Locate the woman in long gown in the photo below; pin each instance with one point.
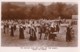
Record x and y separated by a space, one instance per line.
12 31
32 33
68 35
21 30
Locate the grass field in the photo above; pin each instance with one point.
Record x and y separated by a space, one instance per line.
7 40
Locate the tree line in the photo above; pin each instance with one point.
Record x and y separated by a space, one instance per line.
39 11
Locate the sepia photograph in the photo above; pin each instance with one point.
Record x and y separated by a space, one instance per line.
39 24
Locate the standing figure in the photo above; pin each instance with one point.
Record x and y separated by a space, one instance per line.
52 34
43 28
4 28
40 31
68 35
7 27
57 28
47 32
32 34
21 30
12 31
14 27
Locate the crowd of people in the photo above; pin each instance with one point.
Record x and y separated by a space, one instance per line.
36 27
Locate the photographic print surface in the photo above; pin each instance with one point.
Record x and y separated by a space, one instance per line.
48 24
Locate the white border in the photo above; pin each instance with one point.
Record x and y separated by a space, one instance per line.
59 49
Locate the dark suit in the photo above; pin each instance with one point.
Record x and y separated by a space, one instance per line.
12 31
32 34
21 30
4 28
14 27
68 35
57 28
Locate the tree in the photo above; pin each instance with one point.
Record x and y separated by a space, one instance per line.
52 11
11 11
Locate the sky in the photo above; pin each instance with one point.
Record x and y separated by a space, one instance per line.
44 3
47 3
